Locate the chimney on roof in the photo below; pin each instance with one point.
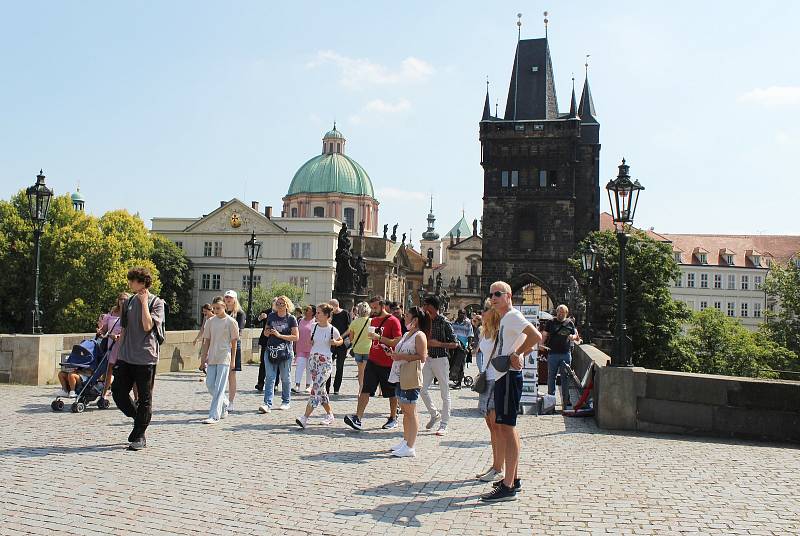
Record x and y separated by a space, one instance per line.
268 212
254 204
223 203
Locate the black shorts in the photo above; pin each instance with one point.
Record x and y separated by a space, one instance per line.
510 384
238 363
375 374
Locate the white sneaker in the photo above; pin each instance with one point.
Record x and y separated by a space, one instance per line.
210 421
72 394
264 409
62 393
442 429
434 418
224 413
284 406
490 476
328 419
398 446
302 421
230 408
405 452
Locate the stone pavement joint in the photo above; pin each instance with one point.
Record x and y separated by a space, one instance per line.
260 474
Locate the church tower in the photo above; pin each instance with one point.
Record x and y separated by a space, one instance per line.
541 177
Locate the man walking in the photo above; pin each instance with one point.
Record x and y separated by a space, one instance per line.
383 328
441 340
142 317
516 338
559 334
340 319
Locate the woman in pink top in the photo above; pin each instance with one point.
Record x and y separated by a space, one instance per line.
303 348
109 326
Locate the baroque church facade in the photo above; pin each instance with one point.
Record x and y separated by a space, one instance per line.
541 180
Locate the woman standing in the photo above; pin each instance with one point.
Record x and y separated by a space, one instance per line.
235 311
487 348
282 331
361 341
303 349
410 352
109 326
323 338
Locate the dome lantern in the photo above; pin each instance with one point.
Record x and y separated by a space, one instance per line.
333 141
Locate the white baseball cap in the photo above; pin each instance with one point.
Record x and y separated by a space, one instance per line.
231 294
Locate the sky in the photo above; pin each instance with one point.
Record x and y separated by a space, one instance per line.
167 108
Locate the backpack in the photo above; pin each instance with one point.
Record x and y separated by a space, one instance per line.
159 331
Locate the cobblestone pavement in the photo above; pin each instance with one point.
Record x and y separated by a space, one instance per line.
259 474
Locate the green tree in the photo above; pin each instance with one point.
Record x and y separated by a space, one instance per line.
783 325
175 271
724 346
263 296
653 318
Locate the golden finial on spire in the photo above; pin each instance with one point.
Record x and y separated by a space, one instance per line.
545 24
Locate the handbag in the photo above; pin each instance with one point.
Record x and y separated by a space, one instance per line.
411 375
480 384
278 353
501 363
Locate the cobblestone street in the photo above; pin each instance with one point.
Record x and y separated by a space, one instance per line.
259 474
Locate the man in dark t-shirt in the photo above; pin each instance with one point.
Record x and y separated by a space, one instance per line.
559 334
340 319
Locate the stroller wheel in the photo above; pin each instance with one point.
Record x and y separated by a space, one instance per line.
79 407
468 381
102 403
74 407
57 405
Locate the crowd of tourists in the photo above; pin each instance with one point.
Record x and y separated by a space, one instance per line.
400 355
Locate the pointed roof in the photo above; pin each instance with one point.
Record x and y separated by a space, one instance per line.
463 226
586 107
573 107
487 114
532 91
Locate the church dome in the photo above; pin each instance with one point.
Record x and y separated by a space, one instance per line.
77 196
332 171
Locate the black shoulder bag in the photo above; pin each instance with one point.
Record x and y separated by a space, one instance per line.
480 384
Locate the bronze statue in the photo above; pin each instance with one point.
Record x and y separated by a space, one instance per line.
403 242
361 228
345 270
360 275
394 232
385 230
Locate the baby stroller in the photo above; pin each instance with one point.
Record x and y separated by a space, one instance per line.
88 354
457 372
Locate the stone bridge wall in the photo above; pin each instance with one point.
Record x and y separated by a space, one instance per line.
34 359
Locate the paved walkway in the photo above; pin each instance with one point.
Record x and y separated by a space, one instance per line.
259 474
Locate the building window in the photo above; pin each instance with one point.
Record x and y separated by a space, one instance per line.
703 305
504 179
756 260
729 260
542 178
294 212
306 250
744 310
757 281
218 249
690 304
717 281
731 281
319 212
703 258
677 255
246 281
718 305
216 282
301 282
338 147
745 282
690 280
731 308
179 244
350 217
703 280
206 249
205 282
757 310
514 179
679 281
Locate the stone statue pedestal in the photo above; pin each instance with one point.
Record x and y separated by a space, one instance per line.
348 299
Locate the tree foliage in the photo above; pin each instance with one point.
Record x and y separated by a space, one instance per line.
263 296
783 325
175 270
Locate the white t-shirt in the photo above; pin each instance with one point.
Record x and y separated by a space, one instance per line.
511 330
321 339
220 332
407 345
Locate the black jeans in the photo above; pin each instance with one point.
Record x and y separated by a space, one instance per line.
262 372
143 376
339 354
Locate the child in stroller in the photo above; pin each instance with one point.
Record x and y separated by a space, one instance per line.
82 373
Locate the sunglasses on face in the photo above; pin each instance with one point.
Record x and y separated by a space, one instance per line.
497 294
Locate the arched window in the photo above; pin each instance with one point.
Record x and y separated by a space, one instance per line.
350 217
294 212
338 147
319 212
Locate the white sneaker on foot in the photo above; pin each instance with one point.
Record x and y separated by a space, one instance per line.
285 406
302 421
490 476
230 407
224 413
405 452
264 409
442 429
210 421
62 393
328 419
434 418
398 446
72 394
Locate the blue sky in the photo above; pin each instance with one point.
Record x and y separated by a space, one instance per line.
166 108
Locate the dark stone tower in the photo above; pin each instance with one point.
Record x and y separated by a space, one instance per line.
541 192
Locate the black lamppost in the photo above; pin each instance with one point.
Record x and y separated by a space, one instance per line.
39 197
588 263
253 248
623 196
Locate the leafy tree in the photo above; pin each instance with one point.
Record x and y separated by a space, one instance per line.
724 346
175 270
653 318
783 325
263 296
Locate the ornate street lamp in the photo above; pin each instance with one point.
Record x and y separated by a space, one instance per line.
39 197
588 263
623 196
253 248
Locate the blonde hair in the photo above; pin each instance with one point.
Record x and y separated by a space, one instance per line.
236 305
506 287
490 322
363 309
287 301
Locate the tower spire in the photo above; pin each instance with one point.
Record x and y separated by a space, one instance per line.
430 233
573 107
516 63
586 107
487 113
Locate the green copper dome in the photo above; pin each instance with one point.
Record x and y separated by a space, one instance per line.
77 196
334 134
463 227
332 172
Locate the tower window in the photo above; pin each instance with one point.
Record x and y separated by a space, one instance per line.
542 178
338 147
350 217
504 179
319 212
294 212
514 179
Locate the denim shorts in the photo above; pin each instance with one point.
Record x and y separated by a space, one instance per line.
360 358
486 399
406 396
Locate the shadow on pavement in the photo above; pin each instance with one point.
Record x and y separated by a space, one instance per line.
407 488
38 452
465 444
406 514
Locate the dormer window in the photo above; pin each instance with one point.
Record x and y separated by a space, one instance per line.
729 260
756 260
703 258
677 255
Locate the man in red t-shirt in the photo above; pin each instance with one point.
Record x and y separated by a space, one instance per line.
383 328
